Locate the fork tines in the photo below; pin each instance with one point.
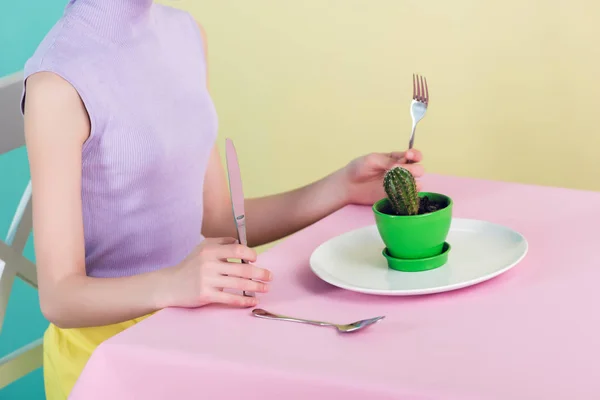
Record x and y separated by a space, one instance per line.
420 92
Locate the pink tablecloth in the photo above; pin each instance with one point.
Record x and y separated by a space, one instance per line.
532 333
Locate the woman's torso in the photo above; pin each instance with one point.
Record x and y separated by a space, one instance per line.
140 71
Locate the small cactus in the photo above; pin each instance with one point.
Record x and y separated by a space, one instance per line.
401 189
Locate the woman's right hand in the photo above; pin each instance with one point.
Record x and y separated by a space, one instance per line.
201 277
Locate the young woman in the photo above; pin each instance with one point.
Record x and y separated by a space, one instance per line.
130 200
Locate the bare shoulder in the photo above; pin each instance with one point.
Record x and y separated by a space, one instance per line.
52 103
44 85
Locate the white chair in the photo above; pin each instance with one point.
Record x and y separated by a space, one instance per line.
12 262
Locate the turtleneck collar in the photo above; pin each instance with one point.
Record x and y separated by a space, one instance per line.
115 20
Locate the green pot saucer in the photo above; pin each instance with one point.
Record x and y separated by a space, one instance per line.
419 264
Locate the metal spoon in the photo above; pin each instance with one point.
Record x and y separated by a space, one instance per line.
345 328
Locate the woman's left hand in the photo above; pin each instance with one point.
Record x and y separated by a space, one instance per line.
363 177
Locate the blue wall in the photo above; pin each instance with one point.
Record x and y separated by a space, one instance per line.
22 25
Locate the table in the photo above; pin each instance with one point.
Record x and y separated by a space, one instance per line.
532 333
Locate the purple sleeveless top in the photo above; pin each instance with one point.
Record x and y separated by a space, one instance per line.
140 70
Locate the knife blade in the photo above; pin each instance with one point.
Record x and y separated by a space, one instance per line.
237 196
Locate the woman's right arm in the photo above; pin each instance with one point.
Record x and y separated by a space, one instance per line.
56 126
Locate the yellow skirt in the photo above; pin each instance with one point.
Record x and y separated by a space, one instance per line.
66 351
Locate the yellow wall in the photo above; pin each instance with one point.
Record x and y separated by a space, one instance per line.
303 86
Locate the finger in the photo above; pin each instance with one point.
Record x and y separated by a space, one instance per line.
219 241
236 251
245 271
397 155
379 161
233 299
233 282
395 158
416 170
413 155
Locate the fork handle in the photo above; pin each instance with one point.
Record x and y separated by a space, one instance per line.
411 141
412 136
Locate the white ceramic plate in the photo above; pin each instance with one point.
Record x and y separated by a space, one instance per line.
480 251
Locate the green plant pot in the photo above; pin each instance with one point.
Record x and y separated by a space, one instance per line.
418 264
414 236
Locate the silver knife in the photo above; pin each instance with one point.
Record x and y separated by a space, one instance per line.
237 196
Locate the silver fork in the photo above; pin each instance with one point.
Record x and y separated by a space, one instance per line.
418 106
